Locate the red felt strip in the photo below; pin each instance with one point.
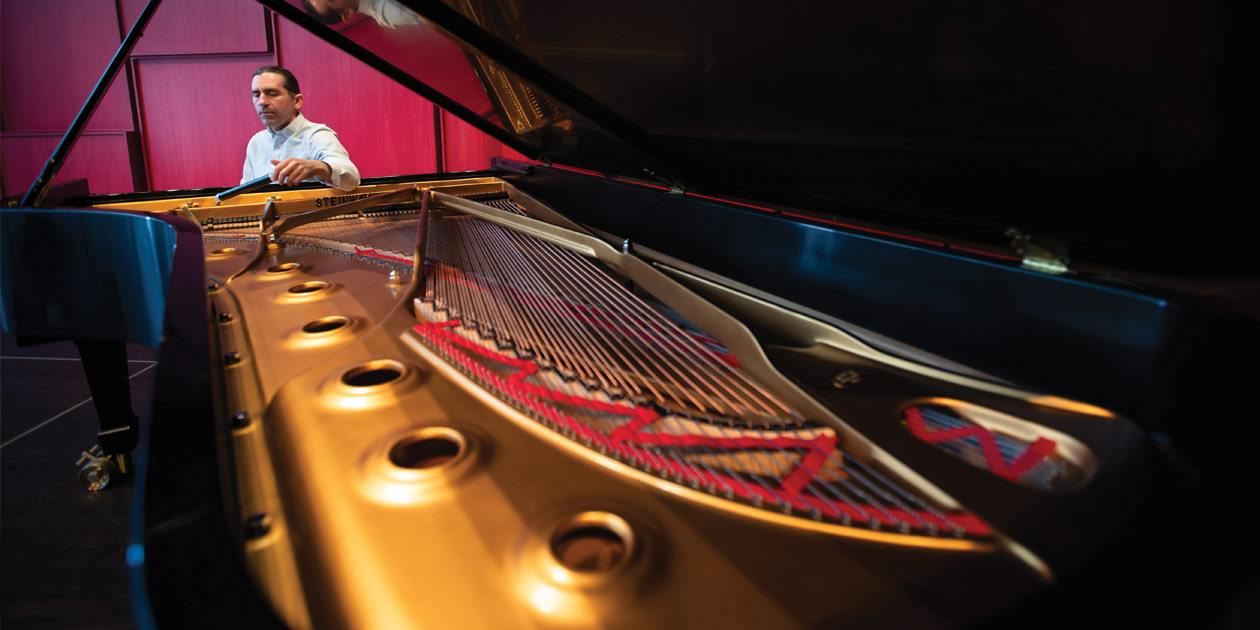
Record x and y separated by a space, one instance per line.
626 440
372 253
1036 452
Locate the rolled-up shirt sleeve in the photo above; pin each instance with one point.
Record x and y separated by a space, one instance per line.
345 176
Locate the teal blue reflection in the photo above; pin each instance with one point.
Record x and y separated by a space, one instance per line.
84 274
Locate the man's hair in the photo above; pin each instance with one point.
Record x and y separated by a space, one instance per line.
330 18
290 81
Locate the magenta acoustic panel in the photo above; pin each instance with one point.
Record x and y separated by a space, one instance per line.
102 158
189 27
387 129
198 116
470 149
54 51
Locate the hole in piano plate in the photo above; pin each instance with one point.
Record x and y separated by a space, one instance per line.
592 542
325 324
372 374
429 449
226 251
308 287
283 267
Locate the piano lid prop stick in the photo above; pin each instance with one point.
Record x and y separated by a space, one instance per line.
421 241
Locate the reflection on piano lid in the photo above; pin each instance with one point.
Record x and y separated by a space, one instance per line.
932 119
649 384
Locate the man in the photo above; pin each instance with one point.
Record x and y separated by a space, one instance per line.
292 149
387 13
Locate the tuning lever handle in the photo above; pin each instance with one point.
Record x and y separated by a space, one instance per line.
249 186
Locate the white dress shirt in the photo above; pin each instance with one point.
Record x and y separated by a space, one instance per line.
388 13
304 140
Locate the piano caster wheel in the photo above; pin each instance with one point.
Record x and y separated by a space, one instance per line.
96 469
94 476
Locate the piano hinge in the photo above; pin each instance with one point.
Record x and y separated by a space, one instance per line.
1047 256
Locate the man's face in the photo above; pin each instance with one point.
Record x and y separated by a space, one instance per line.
275 106
344 9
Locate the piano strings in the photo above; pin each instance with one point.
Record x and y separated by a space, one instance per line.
561 338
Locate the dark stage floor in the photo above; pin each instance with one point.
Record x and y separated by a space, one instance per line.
61 547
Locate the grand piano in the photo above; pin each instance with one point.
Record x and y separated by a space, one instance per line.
796 316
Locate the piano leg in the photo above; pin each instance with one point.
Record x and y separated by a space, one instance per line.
105 365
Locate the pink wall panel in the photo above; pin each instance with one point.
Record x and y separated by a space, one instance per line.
198 117
193 26
99 157
464 147
54 51
191 86
469 149
387 129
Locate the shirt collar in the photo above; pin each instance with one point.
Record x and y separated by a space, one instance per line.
292 128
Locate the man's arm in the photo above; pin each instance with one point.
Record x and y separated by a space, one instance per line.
342 173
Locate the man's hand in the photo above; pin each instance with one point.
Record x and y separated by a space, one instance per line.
292 171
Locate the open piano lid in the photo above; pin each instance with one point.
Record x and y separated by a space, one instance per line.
1117 131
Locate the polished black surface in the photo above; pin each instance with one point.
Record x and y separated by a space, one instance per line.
84 274
1122 130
